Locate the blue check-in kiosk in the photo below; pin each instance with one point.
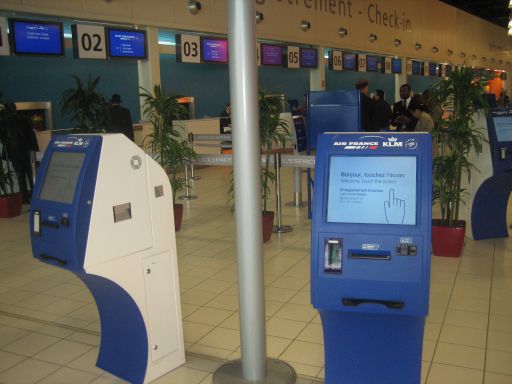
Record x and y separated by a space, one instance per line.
370 254
489 188
102 209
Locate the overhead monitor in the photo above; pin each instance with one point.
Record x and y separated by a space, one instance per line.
35 37
372 190
432 69
127 43
349 61
503 128
308 57
396 65
214 50
271 54
60 180
372 63
416 67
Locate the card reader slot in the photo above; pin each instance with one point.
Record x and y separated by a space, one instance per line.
369 254
53 259
50 224
354 302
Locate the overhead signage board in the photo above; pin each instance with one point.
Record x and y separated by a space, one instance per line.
89 41
188 49
387 65
4 38
336 60
408 67
293 57
361 63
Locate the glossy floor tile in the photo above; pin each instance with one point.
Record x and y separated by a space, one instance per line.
49 326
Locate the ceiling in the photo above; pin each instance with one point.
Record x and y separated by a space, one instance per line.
496 11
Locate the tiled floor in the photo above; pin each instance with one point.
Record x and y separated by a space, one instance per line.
49 329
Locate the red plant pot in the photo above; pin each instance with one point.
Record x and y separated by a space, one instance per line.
10 205
268 223
448 241
178 215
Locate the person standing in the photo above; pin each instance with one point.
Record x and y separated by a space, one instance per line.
433 108
383 112
119 118
367 107
402 117
225 119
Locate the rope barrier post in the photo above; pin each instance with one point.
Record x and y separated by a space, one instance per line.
279 228
191 141
187 195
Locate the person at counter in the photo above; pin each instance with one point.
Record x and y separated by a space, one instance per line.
382 109
119 118
367 107
402 118
225 119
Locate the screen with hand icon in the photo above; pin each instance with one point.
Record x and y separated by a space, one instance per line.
372 190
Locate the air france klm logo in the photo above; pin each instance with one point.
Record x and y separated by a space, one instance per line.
357 144
393 143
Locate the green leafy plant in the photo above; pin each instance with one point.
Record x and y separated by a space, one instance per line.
456 136
7 124
85 106
166 142
273 130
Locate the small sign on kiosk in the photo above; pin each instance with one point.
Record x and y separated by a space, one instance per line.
102 209
370 254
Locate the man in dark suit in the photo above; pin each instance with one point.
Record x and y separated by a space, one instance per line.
120 120
382 110
367 107
402 118
225 119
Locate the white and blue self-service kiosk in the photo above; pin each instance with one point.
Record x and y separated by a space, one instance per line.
370 254
490 186
102 209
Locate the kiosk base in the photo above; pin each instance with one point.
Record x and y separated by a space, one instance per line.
368 348
278 372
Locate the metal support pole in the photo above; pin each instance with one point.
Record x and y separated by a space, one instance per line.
297 189
243 84
192 175
279 228
187 195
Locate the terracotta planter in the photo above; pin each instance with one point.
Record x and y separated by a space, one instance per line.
178 215
268 222
10 205
448 241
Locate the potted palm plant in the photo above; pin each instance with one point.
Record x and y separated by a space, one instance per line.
85 106
166 142
456 136
10 202
273 130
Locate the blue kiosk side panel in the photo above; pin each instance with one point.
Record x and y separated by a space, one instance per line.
489 209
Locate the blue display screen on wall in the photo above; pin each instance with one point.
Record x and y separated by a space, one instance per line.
372 190
432 69
214 50
372 63
127 43
271 54
308 57
396 65
31 37
416 67
349 61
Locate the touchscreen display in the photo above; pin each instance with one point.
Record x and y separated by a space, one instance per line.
61 177
372 190
503 128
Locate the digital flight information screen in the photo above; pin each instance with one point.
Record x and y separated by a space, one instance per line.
61 178
372 190
503 128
